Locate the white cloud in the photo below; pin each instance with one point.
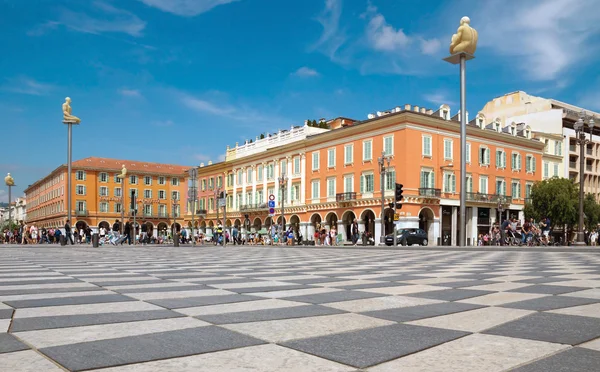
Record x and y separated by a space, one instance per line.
163 123
26 85
544 38
3 196
201 105
130 92
385 37
41 29
186 8
439 98
305 72
107 18
332 37
431 46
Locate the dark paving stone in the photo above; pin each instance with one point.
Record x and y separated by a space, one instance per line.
116 283
178 303
407 314
548 289
573 360
226 281
550 303
41 281
9 343
401 278
450 294
368 347
64 321
143 348
314 280
163 289
476 276
543 280
101 275
79 300
268 288
321 298
557 328
270 314
6 313
48 290
187 276
372 285
463 284
543 273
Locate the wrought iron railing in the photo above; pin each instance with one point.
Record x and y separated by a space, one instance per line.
246 207
434 193
345 197
485 198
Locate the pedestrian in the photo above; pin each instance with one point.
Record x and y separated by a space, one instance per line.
127 233
354 231
69 233
144 236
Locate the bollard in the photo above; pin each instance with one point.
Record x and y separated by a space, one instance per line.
468 241
439 241
176 240
62 240
95 240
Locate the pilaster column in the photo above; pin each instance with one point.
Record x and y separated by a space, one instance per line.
254 178
264 186
289 160
235 196
377 230
454 226
474 230
341 229
302 178
244 183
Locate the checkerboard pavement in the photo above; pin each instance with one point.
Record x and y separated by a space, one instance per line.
297 309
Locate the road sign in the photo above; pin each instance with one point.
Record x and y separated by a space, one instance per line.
396 216
221 202
271 210
271 197
271 203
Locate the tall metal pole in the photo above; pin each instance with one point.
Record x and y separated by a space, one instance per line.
382 181
462 241
225 219
122 226
282 187
69 164
582 145
9 208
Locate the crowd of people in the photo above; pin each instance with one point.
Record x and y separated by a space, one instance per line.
514 232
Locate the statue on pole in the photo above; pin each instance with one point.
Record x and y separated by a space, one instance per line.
9 180
67 116
465 38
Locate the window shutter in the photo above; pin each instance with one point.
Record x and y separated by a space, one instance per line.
422 181
498 159
453 183
480 156
487 156
533 163
362 183
519 161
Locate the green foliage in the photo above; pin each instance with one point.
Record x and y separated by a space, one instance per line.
591 209
5 226
262 136
314 124
555 198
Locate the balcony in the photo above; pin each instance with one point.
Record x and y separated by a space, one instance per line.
162 215
257 206
82 213
573 164
345 197
588 167
429 192
573 148
484 198
201 212
589 151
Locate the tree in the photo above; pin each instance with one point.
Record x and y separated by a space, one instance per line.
555 198
262 136
314 124
591 209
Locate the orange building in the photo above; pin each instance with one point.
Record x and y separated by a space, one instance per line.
333 177
98 196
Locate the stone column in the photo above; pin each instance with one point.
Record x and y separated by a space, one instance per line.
290 175
235 195
377 236
265 194
492 216
244 176
474 231
304 230
254 178
341 229
302 178
310 231
454 225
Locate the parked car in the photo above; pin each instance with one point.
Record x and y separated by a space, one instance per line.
408 237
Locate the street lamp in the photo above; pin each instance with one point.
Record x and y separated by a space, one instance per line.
192 198
282 182
217 191
382 160
122 178
174 229
582 141
10 182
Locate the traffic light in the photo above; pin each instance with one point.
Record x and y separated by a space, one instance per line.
222 194
398 195
133 203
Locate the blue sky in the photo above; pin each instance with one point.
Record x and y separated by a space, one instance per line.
175 81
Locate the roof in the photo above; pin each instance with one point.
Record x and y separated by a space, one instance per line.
131 165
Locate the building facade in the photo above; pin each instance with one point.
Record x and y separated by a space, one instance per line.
330 179
99 197
552 122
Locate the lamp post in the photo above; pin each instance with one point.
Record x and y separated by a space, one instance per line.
282 183
192 198
382 160
217 191
174 229
122 177
582 141
10 182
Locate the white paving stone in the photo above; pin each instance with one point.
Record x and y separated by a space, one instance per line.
178 294
500 298
592 310
4 325
55 295
474 320
474 353
380 303
290 329
294 292
112 307
47 286
586 293
404 289
594 344
26 361
499 287
64 336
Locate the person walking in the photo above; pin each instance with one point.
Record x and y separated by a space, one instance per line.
144 236
69 233
354 232
127 233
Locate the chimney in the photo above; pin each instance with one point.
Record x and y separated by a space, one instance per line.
305 122
407 107
227 147
201 165
416 109
423 110
429 112
371 116
237 144
210 162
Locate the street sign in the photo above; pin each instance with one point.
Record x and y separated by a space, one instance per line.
396 217
271 203
271 197
271 210
221 202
